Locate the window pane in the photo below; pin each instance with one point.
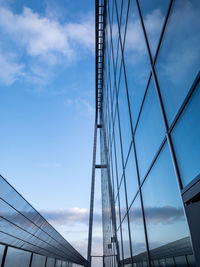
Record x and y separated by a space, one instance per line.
1 252
154 13
181 261
186 139
50 262
126 241
150 131
118 149
179 57
131 177
38 260
17 258
136 60
122 199
163 209
137 231
124 117
169 262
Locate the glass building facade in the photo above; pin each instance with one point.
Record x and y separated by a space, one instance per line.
148 106
27 239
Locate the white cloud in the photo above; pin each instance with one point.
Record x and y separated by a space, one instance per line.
70 216
11 70
44 40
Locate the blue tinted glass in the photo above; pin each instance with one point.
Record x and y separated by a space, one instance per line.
131 177
50 262
136 60
186 139
125 237
119 242
1 252
118 148
122 199
150 131
38 260
124 117
166 225
17 258
179 57
137 230
154 13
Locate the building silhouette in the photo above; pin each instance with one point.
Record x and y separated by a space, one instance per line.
148 121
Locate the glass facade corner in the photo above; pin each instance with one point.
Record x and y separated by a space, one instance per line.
150 119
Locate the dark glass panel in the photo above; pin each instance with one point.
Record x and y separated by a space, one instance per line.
17 258
124 117
165 220
191 260
154 13
170 262
181 261
137 231
131 177
136 61
150 131
178 61
125 237
186 139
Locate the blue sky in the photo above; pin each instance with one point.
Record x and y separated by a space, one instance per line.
47 108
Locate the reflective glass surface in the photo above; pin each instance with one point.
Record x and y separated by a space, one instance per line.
137 229
179 56
164 215
154 13
17 258
181 261
124 117
118 148
1 252
150 131
131 177
38 260
125 237
186 139
122 199
50 262
136 61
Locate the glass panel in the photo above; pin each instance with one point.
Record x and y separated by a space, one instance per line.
181 261
150 131
131 177
186 139
118 149
1 252
38 260
169 262
179 57
50 262
125 237
136 60
165 220
119 242
137 231
154 13
17 258
191 260
162 263
122 199
124 117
